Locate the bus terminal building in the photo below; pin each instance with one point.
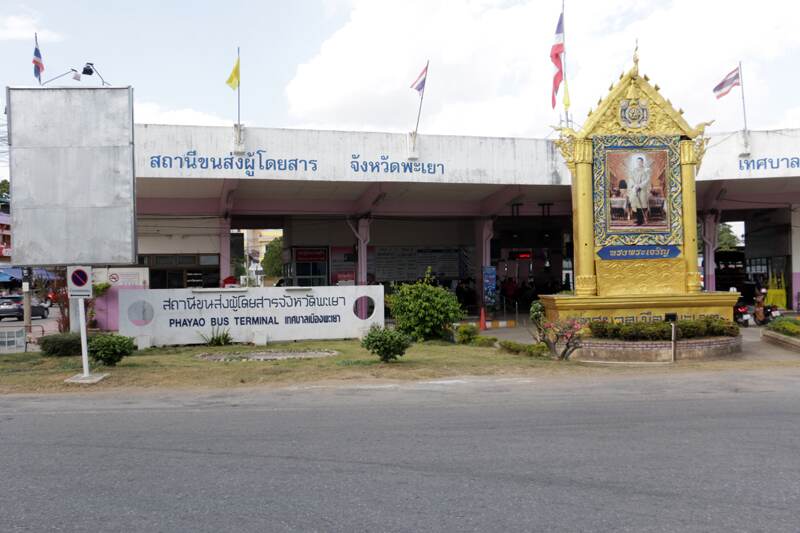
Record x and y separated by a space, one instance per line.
358 207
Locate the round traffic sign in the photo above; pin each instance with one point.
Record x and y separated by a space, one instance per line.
79 277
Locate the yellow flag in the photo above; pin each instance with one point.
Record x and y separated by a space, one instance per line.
566 93
233 79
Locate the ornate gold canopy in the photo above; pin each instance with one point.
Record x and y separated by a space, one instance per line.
633 107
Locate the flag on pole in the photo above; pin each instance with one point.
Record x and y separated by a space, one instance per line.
731 80
233 79
419 83
38 64
556 52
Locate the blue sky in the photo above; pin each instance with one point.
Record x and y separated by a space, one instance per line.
178 54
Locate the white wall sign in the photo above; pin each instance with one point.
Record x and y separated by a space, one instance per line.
79 281
164 151
123 276
184 316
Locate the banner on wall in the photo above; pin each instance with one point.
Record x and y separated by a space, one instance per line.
185 316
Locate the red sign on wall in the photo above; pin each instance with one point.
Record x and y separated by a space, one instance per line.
302 255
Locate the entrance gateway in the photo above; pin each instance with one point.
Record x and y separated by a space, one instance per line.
635 227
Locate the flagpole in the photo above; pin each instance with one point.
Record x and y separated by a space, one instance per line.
239 98
744 109
564 63
421 97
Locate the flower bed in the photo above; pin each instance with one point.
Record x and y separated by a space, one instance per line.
651 342
593 349
784 331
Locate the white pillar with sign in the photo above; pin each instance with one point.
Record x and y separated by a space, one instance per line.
79 287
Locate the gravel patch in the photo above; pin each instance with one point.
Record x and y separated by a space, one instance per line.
275 355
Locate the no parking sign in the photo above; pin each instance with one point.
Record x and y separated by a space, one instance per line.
79 282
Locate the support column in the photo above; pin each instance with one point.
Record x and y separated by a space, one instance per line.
583 217
710 236
224 249
688 165
363 237
795 235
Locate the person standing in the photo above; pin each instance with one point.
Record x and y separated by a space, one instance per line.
639 190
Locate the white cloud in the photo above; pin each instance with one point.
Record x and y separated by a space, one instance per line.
22 27
491 74
152 113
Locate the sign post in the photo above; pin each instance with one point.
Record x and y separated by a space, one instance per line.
79 287
489 296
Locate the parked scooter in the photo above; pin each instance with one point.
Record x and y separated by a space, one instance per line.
770 313
741 314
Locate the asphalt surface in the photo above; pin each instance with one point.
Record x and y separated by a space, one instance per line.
700 451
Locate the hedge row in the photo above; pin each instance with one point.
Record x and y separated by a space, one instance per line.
105 348
662 331
785 326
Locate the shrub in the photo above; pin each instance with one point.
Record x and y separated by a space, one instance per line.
422 310
532 350
785 326
60 344
716 327
512 347
109 349
692 329
538 350
466 333
218 337
560 334
662 331
388 344
482 341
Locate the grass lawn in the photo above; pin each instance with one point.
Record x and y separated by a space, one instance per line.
179 367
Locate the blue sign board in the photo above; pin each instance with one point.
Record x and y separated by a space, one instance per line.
654 251
489 286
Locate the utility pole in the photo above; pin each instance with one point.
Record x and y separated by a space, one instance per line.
26 299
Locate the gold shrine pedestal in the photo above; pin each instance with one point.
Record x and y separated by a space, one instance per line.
633 167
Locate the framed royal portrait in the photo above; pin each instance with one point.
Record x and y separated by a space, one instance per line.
637 190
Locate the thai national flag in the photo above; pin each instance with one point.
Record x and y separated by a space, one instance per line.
419 83
555 56
730 81
38 64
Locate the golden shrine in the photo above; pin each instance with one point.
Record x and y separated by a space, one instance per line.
633 166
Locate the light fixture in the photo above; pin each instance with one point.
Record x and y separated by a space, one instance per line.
89 69
70 71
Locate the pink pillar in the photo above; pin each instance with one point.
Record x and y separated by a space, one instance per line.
363 240
224 249
710 232
795 236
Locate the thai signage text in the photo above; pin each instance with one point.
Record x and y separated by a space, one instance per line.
187 316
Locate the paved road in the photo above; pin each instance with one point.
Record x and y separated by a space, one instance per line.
675 452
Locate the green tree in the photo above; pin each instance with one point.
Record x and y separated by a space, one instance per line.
238 267
422 310
726 239
4 187
273 258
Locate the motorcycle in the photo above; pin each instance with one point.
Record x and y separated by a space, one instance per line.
741 314
770 313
